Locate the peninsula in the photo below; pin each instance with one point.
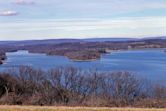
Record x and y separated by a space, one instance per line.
80 50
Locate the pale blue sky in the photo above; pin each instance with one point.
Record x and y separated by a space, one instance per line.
49 19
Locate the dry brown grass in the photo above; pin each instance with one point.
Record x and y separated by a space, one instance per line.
45 108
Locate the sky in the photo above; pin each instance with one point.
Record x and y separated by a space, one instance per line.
54 19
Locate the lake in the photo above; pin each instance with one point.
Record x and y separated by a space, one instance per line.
149 63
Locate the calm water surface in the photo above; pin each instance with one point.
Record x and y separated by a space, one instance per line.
149 63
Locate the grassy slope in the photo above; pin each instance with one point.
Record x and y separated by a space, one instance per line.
37 108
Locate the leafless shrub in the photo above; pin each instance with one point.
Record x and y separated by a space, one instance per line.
72 86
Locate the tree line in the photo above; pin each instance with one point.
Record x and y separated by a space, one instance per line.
75 87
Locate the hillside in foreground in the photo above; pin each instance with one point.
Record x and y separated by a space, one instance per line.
37 108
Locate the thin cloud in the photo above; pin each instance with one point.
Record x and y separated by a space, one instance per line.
122 27
23 2
8 13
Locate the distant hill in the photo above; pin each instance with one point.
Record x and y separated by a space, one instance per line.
161 37
108 39
58 41
33 42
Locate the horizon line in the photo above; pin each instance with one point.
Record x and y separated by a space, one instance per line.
146 37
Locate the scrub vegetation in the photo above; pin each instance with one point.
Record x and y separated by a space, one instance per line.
69 86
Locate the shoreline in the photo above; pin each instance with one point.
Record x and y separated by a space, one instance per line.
89 60
3 58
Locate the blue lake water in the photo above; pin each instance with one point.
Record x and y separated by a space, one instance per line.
149 63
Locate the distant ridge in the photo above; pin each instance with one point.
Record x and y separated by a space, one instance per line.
108 39
47 41
161 37
57 41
